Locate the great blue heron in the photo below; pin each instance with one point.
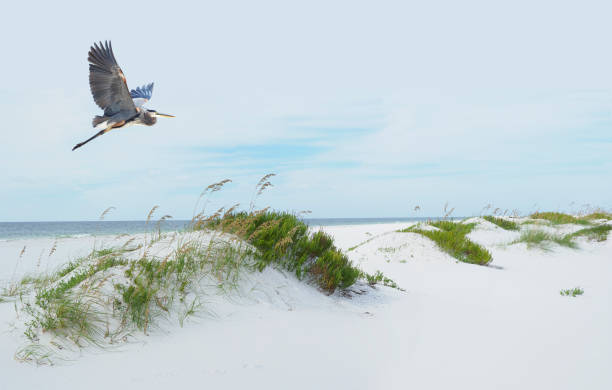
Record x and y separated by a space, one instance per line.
121 106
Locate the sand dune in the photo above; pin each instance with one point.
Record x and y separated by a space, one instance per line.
457 325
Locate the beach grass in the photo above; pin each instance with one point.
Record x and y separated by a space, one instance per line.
596 233
451 237
572 292
541 239
103 298
457 228
597 215
282 239
502 223
379 278
557 218
539 222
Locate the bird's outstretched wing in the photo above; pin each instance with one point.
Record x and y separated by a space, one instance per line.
107 82
141 95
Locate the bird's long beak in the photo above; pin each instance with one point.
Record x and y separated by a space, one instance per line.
165 115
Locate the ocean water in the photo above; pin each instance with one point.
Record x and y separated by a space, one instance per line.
15 230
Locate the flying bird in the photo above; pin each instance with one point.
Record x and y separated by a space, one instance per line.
121 106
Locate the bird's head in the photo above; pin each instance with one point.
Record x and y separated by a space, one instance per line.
150 116
155 114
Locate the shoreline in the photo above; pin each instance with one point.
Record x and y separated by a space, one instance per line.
68 229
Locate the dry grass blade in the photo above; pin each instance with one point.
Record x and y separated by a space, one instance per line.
231 210
262 184
487 207
447 212
151 213
42 251
127 243
257 213
108 210
272 224
53 248
211 188
162 219
215 186
264 179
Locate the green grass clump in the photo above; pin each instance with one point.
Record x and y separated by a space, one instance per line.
451 238
596 233
379 277
557 218
46 294
63 309
454 227
572 292
283 239
542 239
542 222
502 223
103 298
67 268
598 215
333 270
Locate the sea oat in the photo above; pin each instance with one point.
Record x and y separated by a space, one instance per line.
108 210
53 248
260 187
151 213
264 179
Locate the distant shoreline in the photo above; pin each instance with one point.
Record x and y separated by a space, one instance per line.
62 229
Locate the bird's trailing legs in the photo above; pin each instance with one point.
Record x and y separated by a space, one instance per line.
95 135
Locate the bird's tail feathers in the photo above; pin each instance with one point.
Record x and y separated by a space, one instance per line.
99 121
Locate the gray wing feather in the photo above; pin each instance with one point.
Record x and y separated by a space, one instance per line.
107 82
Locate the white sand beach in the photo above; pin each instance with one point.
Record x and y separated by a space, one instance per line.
456 325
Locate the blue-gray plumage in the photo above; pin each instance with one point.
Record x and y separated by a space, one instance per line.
144 92
121 106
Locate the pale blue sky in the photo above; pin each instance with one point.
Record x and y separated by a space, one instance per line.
362 109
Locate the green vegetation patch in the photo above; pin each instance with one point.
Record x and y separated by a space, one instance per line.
596 233
451 238
536 222
502 223
559 218
572 292
542 239
378 277
454 227
598 215
103 298
283 239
